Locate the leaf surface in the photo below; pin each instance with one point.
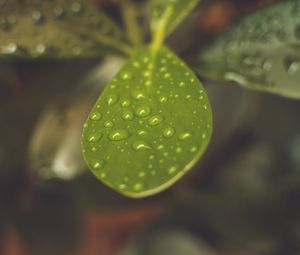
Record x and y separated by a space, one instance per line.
149 126
261 52
168 14
57 28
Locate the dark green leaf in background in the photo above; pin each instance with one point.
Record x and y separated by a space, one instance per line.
57 28
149 126
168 14
261 52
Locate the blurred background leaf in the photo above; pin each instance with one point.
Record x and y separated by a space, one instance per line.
57 29
260 52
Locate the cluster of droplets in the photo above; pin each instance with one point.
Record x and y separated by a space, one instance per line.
45 14
144 128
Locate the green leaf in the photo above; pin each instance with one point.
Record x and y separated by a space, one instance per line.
57 28
150 125
166 15
261 52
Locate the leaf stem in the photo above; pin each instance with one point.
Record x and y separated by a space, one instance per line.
159 35
133 30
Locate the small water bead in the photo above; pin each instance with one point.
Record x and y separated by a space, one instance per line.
203 135
167 75
138 95
143 111
160 147
127 115
94 149
118 135
172 170
142 174
136 64
155 120
194 149
58 12
184 136
95 137
163 69
146 74
85 125
151 157
163 99
138 186
37 17
112 99
103 175
168 132
41 48
188 97
145 60
153 173
76 7
96 116
205 107
148 83
178 150
97 164
11 48
108 124
142 132
140 146
126 103
126 76
122 186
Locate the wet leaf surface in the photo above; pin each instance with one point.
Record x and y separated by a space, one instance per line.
60 29
150 125
261 52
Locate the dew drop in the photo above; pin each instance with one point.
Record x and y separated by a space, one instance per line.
138 186
126 103
108 124
122 186
163 99
172 170
103 175
188 97
184 136
178 150
127 115
143 111
97 164
142 132
11 48
168 132
37 17
140 146
138 95
95 137
118 135
41 48
96 116
142 174
153 172
76 7
155 120
194 149
112 99
160 147
58 12
126 76
167 75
